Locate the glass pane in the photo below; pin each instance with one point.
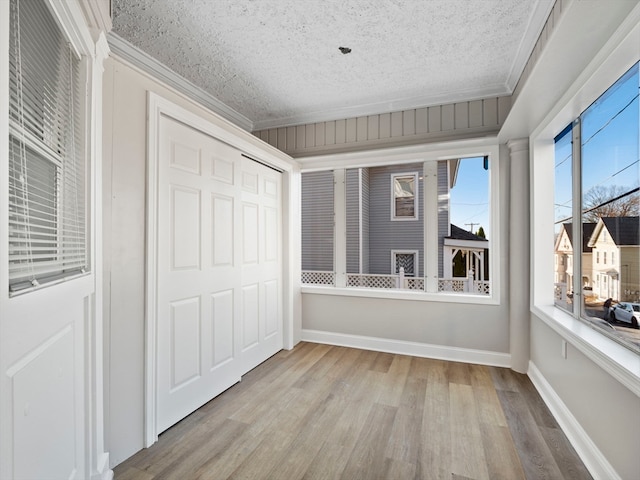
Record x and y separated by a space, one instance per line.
611 203
563 232
404 196
465 250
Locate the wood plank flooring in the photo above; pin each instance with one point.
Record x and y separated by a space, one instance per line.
325 412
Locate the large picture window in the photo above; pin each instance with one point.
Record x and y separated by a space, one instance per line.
47 197
597 207
448 203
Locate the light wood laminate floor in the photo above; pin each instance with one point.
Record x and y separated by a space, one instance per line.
325 412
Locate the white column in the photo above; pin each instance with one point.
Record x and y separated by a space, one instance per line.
99 461
519 254
340 227
430 173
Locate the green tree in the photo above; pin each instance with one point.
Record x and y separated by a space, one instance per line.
480 233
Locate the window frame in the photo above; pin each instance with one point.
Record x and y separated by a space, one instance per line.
614 59
416 195
70 21
425 153
416 261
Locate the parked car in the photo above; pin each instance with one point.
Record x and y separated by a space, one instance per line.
626 312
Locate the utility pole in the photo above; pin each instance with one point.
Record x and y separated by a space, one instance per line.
471 226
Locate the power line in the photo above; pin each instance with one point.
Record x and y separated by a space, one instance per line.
606 202
609 121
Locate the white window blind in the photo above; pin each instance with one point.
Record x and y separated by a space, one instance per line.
47 197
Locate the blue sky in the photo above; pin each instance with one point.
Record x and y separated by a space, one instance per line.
610 144
470 196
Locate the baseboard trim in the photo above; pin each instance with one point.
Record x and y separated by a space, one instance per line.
402 347
591 456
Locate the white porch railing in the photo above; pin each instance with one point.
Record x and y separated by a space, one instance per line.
313 277
402 282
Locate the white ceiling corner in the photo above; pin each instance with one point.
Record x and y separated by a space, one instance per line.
276 62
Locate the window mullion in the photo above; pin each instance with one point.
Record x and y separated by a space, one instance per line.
577 216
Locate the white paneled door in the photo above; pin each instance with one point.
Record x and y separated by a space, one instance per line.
219 268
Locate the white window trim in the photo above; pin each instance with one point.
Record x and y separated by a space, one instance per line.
416 261
416 196
613 60
477 147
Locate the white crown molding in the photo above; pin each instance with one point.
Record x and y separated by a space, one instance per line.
150 65
384 107
401 347
537 20
597 464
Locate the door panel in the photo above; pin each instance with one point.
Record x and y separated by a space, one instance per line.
185 341
218 260
42 342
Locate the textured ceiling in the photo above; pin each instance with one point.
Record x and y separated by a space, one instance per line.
277 62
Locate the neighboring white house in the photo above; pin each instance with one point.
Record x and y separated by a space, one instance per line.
616 258
563 262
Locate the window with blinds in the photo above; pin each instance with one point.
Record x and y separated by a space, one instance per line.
47 197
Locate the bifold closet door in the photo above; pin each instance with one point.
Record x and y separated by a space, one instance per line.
219 267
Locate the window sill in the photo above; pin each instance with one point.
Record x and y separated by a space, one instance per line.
401 295
618 361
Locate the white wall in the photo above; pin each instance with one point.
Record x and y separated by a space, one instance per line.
124 207
445 327
606 413
594 390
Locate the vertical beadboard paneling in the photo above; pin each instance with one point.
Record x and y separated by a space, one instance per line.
351 130
504 105
395 128
447 117
330 133
373 132
310 135
461 115
300 137
408 122
435 118
475 114
541 43
385 125
273 137
291 139
282 138
341 131
317 221
490 112
422 120
361 129
320 134
396 124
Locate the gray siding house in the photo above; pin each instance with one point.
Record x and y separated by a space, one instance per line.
384 224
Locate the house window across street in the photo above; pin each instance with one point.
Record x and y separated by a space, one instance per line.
404 204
